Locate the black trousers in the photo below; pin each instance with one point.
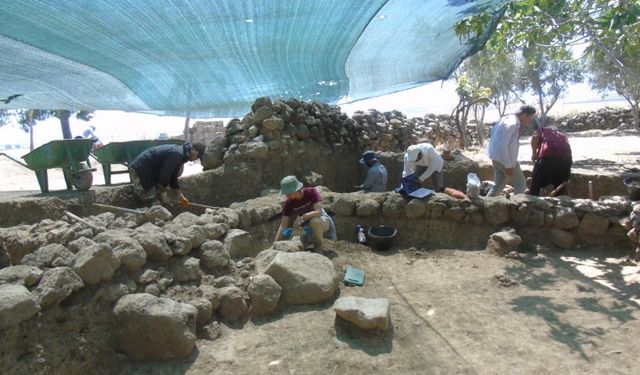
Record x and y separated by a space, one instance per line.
550 170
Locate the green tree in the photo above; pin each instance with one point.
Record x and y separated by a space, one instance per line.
61 114
469 96
554 26
498 72
27 119
547 77
623 43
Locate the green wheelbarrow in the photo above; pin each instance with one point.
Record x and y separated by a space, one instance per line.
72 155
124 153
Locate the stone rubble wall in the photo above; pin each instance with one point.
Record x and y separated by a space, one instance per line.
603 119
200 268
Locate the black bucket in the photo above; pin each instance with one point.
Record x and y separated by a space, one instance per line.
633 187
381 237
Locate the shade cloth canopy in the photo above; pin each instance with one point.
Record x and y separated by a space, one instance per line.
213 58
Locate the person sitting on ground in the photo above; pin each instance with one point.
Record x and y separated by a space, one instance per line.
423 160
304 203
503 150
157 168
376 180
551 155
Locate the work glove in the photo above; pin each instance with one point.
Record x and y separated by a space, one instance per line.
184 202
287 232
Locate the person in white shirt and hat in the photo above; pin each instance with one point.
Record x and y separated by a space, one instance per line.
423 160
503 150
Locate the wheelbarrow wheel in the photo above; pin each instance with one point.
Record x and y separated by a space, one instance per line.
83 180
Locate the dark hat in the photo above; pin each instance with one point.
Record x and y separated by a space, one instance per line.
200 148
368 156
526 109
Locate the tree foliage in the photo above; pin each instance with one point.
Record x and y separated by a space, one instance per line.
548 29
547 77
469 96
497 72
62 114
623 44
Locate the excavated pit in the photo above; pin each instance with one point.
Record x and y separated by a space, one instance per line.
74 279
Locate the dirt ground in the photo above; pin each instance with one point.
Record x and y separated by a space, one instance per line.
566 313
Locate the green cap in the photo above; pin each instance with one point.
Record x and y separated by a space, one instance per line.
290 184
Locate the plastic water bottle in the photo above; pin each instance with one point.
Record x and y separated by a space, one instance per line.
360 232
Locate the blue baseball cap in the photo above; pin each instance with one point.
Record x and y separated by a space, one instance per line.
368 156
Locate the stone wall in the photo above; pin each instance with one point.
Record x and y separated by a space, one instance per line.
445 222
602 119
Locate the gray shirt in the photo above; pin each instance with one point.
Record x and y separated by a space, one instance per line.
376 180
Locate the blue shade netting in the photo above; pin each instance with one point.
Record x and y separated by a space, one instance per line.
214 58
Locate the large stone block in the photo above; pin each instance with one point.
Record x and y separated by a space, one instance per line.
238 243
56 285
95 264
304 277
367 207
365 313
415 208
562 238
496 210
565 218
343 206
149 328
52 255
16 305
131 254
213 255
264 293
20 274
593 224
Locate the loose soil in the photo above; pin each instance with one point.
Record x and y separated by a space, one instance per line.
571 312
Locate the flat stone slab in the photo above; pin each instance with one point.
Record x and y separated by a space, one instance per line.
365 313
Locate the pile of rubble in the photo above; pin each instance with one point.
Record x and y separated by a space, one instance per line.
285 126
171 278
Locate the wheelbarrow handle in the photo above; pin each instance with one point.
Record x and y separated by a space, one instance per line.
203 206
16 160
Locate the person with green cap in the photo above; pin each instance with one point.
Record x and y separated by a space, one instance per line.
305 203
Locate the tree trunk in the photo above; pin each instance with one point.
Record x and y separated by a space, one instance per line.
636 116
30 120
187 136
64 123
480 128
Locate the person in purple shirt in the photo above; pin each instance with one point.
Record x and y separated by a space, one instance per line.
551 155
306 204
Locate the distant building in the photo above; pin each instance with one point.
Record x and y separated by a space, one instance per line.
207 131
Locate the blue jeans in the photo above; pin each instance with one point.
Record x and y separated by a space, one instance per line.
518 181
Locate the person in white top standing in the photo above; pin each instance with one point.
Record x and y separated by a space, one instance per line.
503 150
423 160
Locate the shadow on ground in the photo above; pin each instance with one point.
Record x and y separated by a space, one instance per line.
589 271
